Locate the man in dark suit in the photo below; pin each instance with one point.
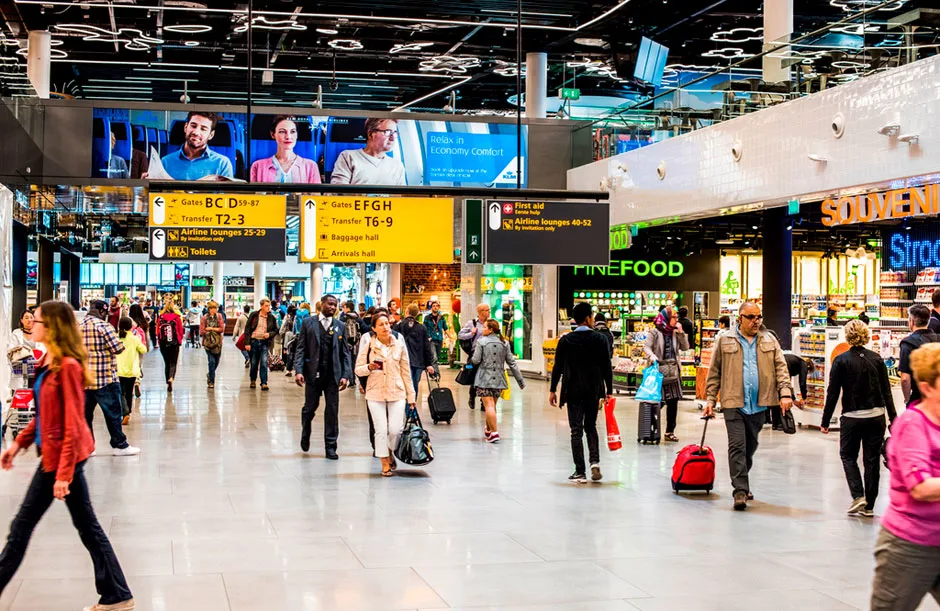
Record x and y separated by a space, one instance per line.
582 358
322 357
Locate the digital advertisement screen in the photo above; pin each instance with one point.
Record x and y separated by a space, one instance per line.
165 145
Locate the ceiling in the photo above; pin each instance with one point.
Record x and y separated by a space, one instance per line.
387 54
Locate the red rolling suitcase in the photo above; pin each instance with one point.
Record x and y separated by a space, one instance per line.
694 468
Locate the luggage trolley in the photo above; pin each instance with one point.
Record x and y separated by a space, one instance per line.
21 408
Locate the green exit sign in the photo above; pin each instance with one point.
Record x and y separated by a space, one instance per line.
200 282
569 93
793 207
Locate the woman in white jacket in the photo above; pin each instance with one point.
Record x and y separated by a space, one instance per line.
384 359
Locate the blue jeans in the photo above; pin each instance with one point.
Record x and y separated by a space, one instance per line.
259 360
246 354
416 377
213 364
109 398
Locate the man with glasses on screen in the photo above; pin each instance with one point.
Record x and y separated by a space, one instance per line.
371 165
195 160
749 372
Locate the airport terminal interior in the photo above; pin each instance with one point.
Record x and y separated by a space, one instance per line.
477 305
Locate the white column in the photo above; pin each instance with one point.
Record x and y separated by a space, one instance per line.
316 281
261 279
536 79
778 26
218 284
6 293
394 283
39 61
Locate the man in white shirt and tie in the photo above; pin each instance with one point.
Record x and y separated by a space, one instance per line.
322 362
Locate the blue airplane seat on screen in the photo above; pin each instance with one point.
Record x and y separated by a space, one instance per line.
342 133
164 141
176 135
140 137
100 147
152 140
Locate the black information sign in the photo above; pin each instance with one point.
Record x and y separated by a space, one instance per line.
547 233
217 244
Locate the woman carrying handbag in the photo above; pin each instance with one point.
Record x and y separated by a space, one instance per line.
662 347
383 359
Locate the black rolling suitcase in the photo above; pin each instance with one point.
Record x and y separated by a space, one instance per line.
648 424
441 402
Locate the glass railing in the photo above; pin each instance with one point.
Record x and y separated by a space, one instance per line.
874 36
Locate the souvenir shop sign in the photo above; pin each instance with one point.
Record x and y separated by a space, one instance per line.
894 204
217 227
376 229
547 233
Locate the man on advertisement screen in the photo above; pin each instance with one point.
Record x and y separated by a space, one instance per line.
195 160
371 165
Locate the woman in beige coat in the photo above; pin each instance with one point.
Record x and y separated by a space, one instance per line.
384 359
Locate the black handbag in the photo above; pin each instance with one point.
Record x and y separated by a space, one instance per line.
789 423
467 375
414 445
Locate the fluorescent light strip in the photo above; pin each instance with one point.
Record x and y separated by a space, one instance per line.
218 91
439 91
147 79
166 70
374 86
333 16
325 93
111 80
490 10
108 97
104 88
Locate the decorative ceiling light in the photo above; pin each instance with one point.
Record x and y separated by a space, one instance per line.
738 35
451 64
593 67
690 68
191 43
504 68
260 23
849 65
328 31
426 27
591 42
408 47
345 44
193 28
132 38
856 29
859 5
728 53
53 53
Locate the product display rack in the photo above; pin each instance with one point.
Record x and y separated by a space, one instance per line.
821 345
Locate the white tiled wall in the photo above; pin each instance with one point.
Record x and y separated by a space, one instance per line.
702 178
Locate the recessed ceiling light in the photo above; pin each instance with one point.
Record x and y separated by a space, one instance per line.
345 44
328 31
191 43
194 28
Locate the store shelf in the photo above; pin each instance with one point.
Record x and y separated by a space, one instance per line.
937 284
897 301
894 284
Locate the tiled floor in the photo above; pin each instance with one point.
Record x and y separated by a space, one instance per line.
222 512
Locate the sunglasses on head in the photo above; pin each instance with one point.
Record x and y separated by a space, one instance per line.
752 316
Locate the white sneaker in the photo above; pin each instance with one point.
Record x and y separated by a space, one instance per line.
128 451
93 454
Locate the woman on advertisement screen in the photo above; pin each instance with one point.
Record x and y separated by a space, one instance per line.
285 165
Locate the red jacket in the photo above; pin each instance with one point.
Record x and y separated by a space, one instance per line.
66 439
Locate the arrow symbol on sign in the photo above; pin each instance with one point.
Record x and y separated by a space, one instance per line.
159 210
158 243
472 255
310 204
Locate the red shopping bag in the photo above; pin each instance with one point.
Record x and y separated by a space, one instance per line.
614 441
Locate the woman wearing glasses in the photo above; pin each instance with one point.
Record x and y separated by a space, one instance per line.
371 165
60 431
662 346
285 165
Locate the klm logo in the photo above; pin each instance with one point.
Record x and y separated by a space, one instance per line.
508 175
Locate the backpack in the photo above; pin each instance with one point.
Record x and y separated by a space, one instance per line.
167 333
467 344
353 332
212 340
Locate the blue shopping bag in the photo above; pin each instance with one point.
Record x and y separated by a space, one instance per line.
651 388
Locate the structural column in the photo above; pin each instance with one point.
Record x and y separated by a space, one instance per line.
778 26
39 61
394 283
218 284
261 281
316 281
778 273
46 284
536 79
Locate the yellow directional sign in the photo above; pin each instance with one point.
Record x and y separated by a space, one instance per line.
217 210
376 229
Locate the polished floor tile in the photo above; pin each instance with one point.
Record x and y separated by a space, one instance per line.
223 512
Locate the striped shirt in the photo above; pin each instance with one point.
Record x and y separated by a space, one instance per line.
103 346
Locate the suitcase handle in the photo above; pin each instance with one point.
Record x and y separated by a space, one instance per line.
701 447
436 379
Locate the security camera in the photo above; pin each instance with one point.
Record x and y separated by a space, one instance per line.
737 150
838 125
661 170
334 85
185 99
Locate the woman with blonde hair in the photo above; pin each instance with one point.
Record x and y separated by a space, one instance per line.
211 329
170 337
383 357
60 431
861 377
907 553
489 357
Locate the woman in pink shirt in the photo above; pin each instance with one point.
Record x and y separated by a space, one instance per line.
286 165
907 555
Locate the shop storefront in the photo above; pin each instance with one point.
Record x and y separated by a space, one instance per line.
129 281
632 290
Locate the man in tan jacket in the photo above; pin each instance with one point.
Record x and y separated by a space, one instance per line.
749 371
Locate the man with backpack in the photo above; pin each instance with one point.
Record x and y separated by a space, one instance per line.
919 324
354 325
469 335
420 354
436 324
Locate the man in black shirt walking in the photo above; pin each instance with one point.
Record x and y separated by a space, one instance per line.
918 321
582 358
